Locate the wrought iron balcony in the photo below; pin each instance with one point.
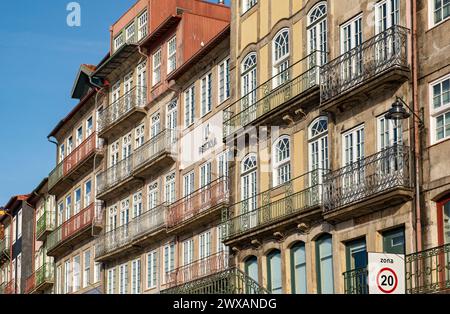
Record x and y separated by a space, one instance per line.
74 230
201 268
229 281
4 249
41 280
283 88
296 198
203 202
123 239
75 165
122 113
157 153
374 57
376 178
355 281
428 271
114 177
45 224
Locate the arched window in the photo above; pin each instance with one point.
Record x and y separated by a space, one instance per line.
298 268
324 255
274 272
249 80
282 160
281 57
249 183
318 149
251 267
317 30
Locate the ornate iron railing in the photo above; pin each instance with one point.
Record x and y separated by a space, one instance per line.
380 53
73 225
378 173
355 281
155 147
114 175
44 274
198 203
135 98
45 223
428 271
230 281
198 269
284 86
292 198
139 227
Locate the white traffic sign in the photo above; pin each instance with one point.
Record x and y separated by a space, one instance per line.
386 273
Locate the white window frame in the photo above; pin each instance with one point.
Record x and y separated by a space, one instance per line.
89 126
281 165
223 169
248 4
317 31
142 25
206 94
77 202
123 278
188 252
76 273
249 80
442 110
223 73
130 33
169 188
169 259
87 195
79 136
392 15
119 41
389 131
67 277
172 54
156 125
111 281
19 224
86 268
431 15
139 136
188 183
152 269
153 195
137 205
189 106
280 58
156 66
205 174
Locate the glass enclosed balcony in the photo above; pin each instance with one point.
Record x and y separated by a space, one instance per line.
41 280
355 281
428 271
45 224
289 87
382 58
363 186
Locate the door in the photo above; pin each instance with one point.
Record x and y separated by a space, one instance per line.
387 15
352 55
249 201
356 276
354 157
389 146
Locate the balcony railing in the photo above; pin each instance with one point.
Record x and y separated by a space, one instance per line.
155 147
45 223
355 281
198 269
293 198
115 175
74 159
378 173
2 288
75 224
135 98
428 271
198 203
5 246
230 281
286 85
143 225
45 274
380 53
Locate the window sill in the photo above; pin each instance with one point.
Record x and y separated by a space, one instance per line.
249 11
434 26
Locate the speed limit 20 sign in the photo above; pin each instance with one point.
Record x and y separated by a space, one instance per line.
386 273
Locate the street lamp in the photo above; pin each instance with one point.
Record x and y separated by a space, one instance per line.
398 112
4 212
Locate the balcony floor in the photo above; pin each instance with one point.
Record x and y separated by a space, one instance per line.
154 165
116 190
124 123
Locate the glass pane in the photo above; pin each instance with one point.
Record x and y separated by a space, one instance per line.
298 271
274 272
394 241
251 268
446 212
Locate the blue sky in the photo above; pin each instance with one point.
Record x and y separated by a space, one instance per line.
39 58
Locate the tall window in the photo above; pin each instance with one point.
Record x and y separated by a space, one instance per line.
205 174
274 276
89 126
440 11
298 268
141 84
87 193
67 277
126 146
282 161
86 268
351 37
127 86
153 195
139 136
188 252
60 219
129 33
19 224
251 268
205 245
62 152
248 81
58 279
280 48
152 269
224 80
206 94
157 67
76 273
77 206
389 133
387 14
123 279
169 260
79 136
324 251
111 281
249 183
222 164
318 147
317 31
172 55
118 41
156 125
444 221
124 212
112 215
248 4
353 151
170 188
136 276
69 145
440 109
68 207
171 121
189 184
142 25
189 106
137 204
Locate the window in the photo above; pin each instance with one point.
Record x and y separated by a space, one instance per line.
205 245
282 161
126 146
248 4
189 184
324 251
62 152
141 84
67 277
123 279
440 109
171 121
394 241
249 184
351 37
157 67
356 254
79 137
124 212
118 41
387 14
317 31
353 151
248 81
97 269
142 25
169 259
76 273
152 269
89 126
280 48
87 193
114 157
68 207
189 106
274 272
19 224
153 195
298 268
389 133
444 221
205 174
224 80
19 273
251 268
440 11
318 148
139 136
170 188
58 289
221 247
206 94
222 164
137 204
77 206
172 55
129 32
69 145
188 252
14 229
87 269
156 125
60 214
112 214
111 285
